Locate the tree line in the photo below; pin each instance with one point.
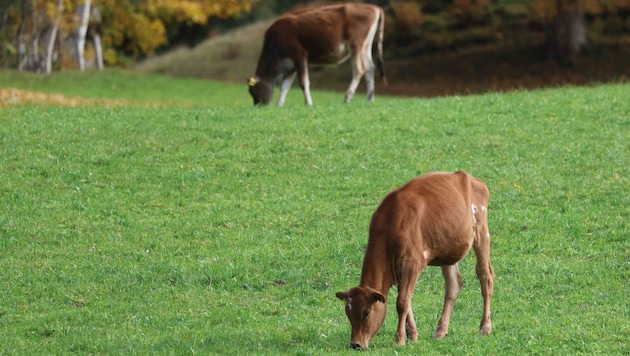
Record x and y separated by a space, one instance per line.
41 35
37 34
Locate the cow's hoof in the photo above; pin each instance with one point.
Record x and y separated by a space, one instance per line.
412 334
439 333
485 329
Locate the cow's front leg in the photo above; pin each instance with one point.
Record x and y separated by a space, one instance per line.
285 86
452 284
410 272
412 330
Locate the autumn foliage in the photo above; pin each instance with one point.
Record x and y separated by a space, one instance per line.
129 28
133 29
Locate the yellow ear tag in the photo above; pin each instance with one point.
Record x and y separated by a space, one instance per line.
252 81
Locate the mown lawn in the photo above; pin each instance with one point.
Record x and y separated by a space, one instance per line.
208 226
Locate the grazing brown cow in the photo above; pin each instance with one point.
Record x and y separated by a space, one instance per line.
326 35
433 220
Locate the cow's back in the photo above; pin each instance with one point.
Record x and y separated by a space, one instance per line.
427 211
323 30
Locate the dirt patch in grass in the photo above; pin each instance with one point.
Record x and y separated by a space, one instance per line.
9 96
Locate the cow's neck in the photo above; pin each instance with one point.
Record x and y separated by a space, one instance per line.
271 63
377 269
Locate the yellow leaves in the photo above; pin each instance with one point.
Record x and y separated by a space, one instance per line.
149 34
195 11
109 56
142 28
227 8
129 27
177 11
135 32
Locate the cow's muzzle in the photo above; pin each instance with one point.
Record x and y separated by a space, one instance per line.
357 346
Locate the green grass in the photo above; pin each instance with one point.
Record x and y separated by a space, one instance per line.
218 228
117 84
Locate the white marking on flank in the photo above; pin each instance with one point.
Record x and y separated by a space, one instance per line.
474 213
349 305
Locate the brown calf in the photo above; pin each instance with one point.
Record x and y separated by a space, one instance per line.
325 35
432 220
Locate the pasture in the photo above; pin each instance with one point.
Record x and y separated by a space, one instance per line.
207 226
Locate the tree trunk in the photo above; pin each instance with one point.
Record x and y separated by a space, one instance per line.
569 34
99 51
84 16
53 37
21 45
35 41
95 32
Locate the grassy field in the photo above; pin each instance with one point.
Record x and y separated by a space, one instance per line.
207 226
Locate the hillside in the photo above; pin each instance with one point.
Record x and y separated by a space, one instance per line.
233 56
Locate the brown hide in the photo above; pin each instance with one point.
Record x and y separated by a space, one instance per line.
326 35
434 219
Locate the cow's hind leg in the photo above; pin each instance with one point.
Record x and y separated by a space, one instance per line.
368 65
409 275
357 72
485 275
369 79
301 67
452 284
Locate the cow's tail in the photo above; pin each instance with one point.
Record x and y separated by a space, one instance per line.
380 33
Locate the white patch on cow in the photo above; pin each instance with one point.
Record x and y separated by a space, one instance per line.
483 208
474 214
343 53
349 305
426 254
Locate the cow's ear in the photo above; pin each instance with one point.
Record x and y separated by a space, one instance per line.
343 295
251 81
378 297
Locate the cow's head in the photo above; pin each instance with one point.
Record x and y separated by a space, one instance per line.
366 309
260 90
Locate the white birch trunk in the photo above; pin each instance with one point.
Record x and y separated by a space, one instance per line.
36 63
99 51
53 37
21 47
84 17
